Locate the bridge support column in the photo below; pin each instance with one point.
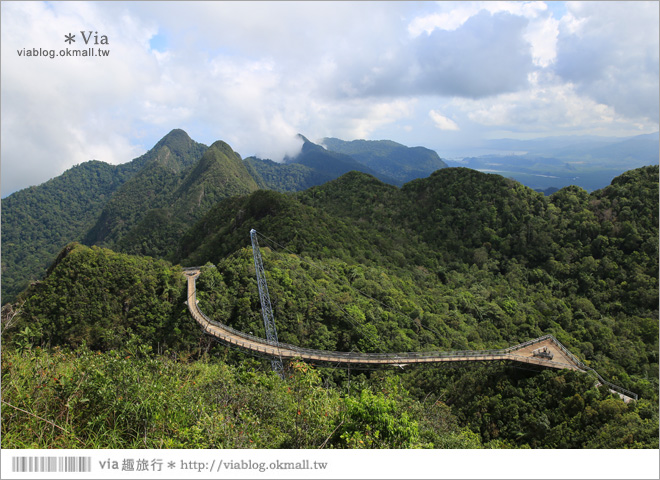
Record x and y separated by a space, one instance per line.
266 308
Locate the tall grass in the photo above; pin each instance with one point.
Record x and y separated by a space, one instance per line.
134 399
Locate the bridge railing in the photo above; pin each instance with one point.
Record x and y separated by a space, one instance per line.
581 365
361 355
573 358
310 351
505 352
354 355
527 343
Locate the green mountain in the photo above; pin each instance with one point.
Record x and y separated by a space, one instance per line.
39 221
312 166
220 173
152 187
331 164
459 260
93 202
284 177
389 158
135 371
450 214
100 297
388 161
540 260
145 206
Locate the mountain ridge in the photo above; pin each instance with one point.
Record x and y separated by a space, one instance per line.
331 163
150 188
156 191
460 260
389 158
218 174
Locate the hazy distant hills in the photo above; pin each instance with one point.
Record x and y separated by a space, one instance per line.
313 165
147 205
331 163
640 148
551 163
389 158
289 177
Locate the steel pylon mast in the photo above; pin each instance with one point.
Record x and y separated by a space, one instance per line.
266 309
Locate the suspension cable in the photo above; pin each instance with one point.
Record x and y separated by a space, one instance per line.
348 316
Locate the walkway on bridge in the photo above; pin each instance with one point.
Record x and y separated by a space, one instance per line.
560 357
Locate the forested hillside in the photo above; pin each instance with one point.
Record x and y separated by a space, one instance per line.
146 205
101 298
39 221
459 260
284 177
150 193
219 174
471 253
389 158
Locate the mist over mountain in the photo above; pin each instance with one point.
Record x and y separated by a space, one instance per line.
283 177
330 163
145 206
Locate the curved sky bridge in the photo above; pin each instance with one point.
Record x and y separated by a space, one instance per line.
559 357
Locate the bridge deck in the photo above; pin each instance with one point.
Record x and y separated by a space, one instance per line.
520 353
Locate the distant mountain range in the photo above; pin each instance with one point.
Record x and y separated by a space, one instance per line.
458 260
388 158
316 164
642 148
547 164
145 206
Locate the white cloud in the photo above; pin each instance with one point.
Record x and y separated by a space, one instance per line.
609 51
255 74
356 118
60 111
452 15
442 122
542 36
540 31
486 55
548 107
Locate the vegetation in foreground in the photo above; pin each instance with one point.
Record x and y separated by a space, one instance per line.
132 398
460 260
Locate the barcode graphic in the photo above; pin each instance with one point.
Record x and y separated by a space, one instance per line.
51 464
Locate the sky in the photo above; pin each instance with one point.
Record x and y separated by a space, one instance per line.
444 75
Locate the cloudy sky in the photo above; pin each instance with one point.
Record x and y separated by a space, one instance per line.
445 75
